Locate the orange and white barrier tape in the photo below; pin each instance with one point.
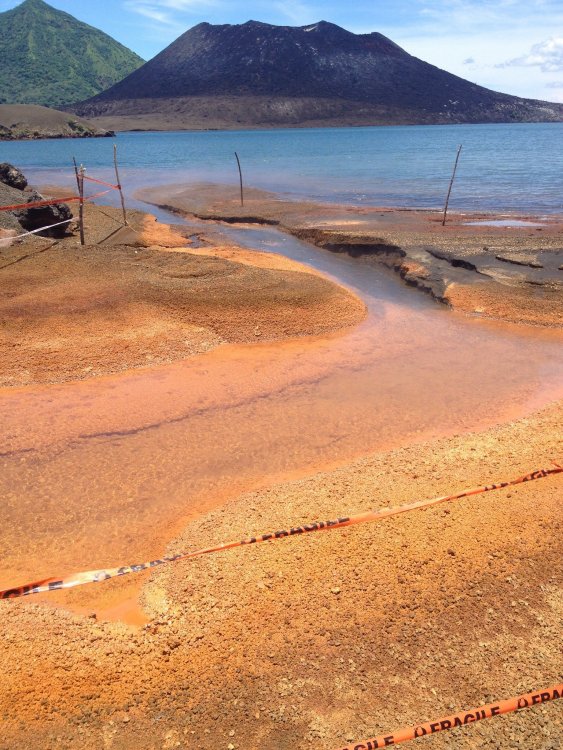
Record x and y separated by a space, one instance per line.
6 241
36 204
95 576
101 182
54 201
96 195
461 719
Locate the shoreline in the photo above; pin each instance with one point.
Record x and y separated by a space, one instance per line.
505 273
137 300
305 643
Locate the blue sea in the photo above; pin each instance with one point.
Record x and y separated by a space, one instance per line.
506 168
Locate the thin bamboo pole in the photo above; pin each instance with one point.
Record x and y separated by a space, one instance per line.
451 185
76 172
81 203
240 176
80 210
119 185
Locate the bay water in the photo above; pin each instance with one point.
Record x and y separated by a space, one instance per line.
503 167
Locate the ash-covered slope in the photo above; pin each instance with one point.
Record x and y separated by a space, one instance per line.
315 72
24 122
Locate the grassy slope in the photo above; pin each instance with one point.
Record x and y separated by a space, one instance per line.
48 57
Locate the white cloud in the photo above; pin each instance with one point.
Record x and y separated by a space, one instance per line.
448 32
555 91
149 11
547 56
166 11
464 18
465 15
296 12
177 5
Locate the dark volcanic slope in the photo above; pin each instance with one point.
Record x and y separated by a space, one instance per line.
48 57
328 70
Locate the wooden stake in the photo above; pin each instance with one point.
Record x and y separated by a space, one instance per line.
451 185
240 176
76 173
80 176
119 184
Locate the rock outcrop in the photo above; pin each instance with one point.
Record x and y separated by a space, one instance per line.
28 219
44 216
12 176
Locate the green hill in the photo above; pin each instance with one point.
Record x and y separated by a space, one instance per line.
48 57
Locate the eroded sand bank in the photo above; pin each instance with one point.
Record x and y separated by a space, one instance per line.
308 642
503 267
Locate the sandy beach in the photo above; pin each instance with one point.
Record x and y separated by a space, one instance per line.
159 396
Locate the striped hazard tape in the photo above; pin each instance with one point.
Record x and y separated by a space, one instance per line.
55 201
102 182
461 719
6 241
95 576
36 204
96 195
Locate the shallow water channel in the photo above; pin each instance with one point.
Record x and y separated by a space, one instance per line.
106 472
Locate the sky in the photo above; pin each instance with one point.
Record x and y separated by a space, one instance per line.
513 46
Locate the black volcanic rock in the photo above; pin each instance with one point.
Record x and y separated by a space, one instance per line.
314 72
43 216
12 176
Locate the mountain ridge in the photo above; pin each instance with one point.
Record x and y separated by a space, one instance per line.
48 57
368 77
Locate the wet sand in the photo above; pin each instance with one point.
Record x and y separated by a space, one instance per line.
496 266
70 312
310 642
451 607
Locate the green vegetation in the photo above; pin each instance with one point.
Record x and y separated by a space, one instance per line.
48 57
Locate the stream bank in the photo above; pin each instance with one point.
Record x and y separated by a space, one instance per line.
509 269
